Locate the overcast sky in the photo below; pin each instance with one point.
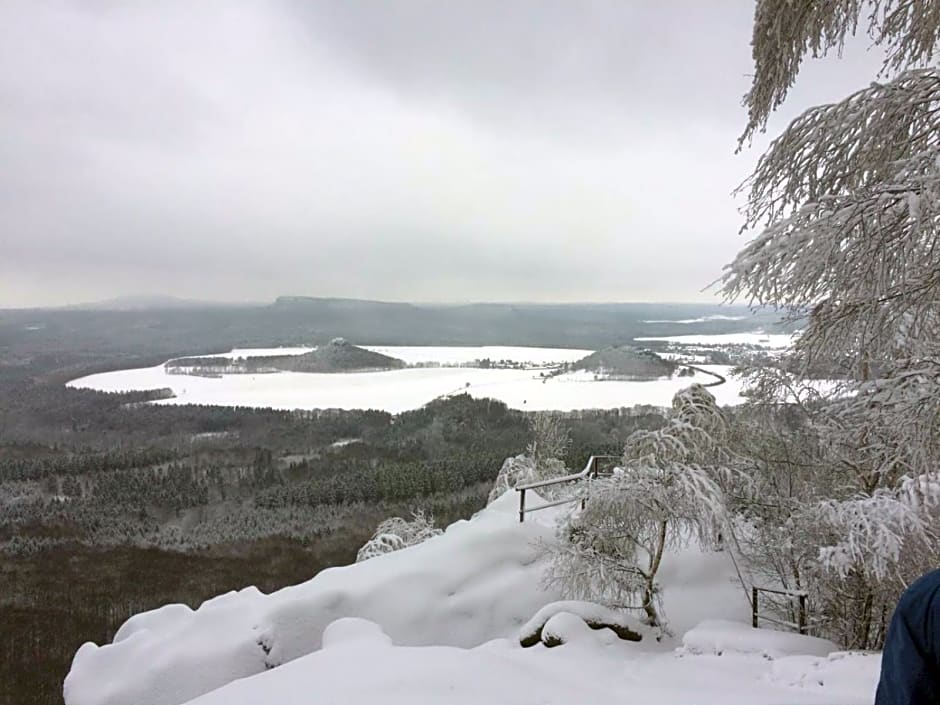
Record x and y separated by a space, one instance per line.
428 150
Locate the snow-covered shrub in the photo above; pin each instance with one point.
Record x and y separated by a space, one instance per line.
550 439
396 533
542 459
521 469
516 470
807 522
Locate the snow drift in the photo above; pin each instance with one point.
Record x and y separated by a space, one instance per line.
476 582
360 664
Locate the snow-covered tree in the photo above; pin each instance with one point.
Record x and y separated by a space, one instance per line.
396 533
846 209
515 470
786 31
542 460
550 441
669 493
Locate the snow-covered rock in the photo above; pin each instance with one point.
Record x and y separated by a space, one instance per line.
565 628
478 581
591 615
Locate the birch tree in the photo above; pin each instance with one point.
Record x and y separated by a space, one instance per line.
667 494
845 212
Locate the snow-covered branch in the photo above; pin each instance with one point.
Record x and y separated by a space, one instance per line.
786 31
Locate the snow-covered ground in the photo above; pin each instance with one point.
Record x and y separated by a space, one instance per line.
702 319
402 390
439 623
773 341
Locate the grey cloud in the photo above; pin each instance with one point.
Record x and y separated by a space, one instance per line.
459 150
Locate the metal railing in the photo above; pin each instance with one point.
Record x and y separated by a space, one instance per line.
591 471
799 595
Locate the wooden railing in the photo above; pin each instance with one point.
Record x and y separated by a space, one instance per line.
591 470
799 595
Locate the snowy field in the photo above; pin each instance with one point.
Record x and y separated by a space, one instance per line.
402 390
773 341
440 623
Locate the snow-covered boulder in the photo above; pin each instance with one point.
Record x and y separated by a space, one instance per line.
478 581
396 533
565 628
718 636
590 615
353 630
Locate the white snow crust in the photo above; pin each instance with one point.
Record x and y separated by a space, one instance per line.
476 582
716 636
438 623
590 668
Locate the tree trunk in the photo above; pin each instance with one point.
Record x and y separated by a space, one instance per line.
648 605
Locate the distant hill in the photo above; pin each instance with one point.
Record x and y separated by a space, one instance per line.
175 328
338 355
160 302
626 362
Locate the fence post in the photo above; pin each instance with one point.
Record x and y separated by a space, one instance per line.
802 617
522 505
754 607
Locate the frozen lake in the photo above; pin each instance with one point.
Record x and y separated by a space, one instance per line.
401 390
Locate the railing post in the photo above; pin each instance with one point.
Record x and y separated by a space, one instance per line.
522 505
754 607
802 617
